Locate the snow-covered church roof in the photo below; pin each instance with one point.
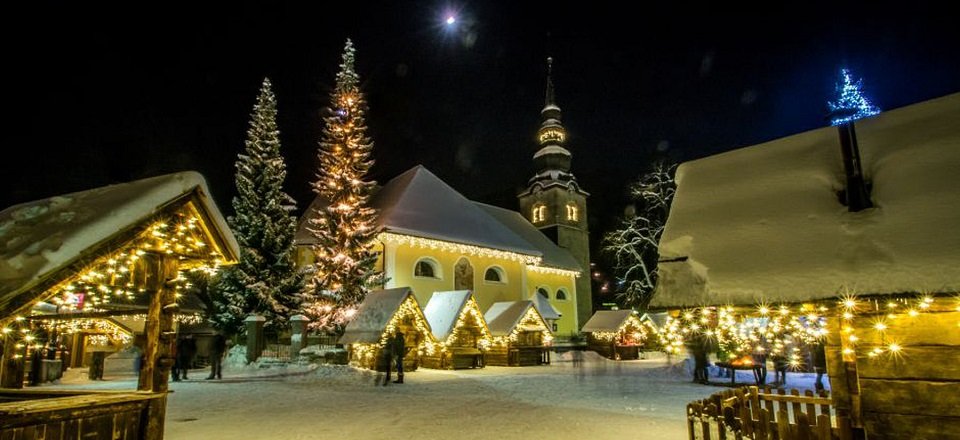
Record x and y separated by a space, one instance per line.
418 203
764 223
42 241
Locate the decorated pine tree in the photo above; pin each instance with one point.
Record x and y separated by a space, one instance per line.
265 281
345 226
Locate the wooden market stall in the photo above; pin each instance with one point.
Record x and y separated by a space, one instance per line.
380 316
616 334
460 331
74 257
521 337
859 233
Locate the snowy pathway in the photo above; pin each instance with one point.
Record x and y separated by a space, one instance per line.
599 399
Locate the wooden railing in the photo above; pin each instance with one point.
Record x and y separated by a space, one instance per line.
55 414
766 414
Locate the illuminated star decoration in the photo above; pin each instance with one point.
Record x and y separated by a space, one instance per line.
851 104
451 20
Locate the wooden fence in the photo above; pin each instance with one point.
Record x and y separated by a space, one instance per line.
752 413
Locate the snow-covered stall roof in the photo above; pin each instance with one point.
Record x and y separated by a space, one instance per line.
443 309
503 317
547 311
374 314
42 241
763 223
607 321
553 255
418 203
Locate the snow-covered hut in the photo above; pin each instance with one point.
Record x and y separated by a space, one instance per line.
380 316
459 329
616 334
75 264
764 224
520 335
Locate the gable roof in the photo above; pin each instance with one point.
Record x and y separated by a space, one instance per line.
41 241
374 314
607 321
443 309
547 311
418 203
503 317
553 255
763 223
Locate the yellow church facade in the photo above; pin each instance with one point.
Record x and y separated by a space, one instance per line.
434 239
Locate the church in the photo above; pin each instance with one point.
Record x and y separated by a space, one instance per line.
434 239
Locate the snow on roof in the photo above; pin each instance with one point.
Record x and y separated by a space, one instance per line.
607 321
374 314
763 223
503 317
544 307
418 203
39 239
443 309
553 255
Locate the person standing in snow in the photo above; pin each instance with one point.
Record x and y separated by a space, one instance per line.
217 350
819 363
399 350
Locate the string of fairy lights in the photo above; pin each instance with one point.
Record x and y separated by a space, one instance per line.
783 331
118 277
531 321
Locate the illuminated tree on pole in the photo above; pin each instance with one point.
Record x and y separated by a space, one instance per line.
851 104
345 226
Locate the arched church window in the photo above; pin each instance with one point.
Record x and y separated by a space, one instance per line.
561 295
463 275
573 213
543 292
539 213
494 274
426 268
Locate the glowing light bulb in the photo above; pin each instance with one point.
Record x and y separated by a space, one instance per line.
451 20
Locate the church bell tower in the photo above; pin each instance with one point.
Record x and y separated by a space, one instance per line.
553 200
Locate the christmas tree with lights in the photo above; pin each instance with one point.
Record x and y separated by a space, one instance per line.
265 281
345 226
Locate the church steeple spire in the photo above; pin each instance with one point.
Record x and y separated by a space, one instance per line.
551 136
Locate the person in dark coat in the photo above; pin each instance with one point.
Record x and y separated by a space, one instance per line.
186 350
699 349
217 350
399 350
819 358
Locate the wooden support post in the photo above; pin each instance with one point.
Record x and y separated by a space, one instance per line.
155 368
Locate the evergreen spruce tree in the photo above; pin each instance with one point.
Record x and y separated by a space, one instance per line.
345 226
266 280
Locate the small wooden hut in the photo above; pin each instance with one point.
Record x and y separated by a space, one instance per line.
459 329
616 334
521 336
81 257
380 316
775 223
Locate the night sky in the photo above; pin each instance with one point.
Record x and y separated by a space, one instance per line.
105 93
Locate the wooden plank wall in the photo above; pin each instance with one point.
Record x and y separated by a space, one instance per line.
915 394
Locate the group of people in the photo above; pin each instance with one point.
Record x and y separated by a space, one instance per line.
186 349
701 345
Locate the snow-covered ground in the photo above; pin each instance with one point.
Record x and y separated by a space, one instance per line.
596 399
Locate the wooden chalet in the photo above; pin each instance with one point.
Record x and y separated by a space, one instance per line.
616 334
521 337
82 257
775 224
380 316
459 329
